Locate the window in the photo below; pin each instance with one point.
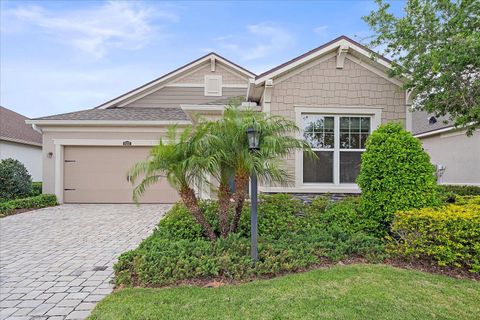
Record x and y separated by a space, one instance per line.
213 85
338 142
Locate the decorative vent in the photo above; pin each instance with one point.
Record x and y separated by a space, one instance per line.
213 85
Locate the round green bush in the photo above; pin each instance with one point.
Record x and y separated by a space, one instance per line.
396 174
15 181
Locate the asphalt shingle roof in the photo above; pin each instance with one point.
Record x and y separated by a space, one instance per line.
420 123
13 128
122 114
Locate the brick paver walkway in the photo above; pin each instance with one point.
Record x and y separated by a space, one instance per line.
56 263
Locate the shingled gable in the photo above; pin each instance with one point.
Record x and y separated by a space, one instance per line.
175 74
340 46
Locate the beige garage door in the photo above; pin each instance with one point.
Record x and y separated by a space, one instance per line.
99 175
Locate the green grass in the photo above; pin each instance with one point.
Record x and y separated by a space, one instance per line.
342 292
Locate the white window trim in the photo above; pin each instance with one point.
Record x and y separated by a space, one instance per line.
209 93
376 117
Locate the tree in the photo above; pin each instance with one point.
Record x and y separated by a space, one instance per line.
396 174
226 141
177 159
435 48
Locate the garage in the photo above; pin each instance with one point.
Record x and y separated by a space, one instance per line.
98 174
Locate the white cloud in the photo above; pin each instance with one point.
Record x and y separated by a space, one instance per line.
321 31
259 40
97 30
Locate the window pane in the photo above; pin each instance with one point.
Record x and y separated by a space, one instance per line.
329 141
354 124
363 140
329 124
354 141
318 131
365 124
349 166
318 170
353 132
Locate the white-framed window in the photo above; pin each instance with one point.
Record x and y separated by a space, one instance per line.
213 85
338 142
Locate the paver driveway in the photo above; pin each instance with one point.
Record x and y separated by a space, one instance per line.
56 263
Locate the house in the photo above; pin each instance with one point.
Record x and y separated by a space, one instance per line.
336 93
19 141
456 156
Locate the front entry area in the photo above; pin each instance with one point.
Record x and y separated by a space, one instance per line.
98 174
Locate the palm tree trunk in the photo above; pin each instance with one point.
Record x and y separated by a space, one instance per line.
191 202
241 190
223 205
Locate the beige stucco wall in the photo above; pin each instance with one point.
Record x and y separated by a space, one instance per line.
93 133
458 153
30 156
323 85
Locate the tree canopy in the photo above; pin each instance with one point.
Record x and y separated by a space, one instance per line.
435 47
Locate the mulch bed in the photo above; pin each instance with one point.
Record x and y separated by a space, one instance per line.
432 267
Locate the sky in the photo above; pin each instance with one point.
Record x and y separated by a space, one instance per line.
63 56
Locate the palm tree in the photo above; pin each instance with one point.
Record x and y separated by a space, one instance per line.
176 159
226 141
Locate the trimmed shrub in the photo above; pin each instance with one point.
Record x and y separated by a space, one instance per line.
344 215
449 235
15 181
292 236
461 190
36 189
41 201
396 174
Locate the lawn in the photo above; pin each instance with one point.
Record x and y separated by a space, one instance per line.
341 292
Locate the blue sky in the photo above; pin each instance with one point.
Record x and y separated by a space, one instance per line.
61 56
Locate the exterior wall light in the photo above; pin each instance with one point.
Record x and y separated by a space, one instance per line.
253 139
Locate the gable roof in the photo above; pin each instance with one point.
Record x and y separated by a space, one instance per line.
176 72
328 47
13 128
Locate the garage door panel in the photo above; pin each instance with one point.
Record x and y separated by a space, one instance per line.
99 175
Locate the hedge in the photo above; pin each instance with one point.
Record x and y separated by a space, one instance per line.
36 189
41 201
460 190
449 235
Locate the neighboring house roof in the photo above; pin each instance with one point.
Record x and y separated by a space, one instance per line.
122 114
421 123
13 128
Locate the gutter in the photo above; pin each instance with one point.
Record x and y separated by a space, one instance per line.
106 122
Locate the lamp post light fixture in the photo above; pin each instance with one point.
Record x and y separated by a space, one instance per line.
254 144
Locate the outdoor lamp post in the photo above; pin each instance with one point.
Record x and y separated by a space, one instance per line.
253 144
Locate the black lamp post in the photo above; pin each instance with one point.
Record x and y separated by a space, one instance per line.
254 144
